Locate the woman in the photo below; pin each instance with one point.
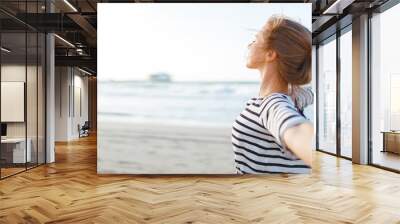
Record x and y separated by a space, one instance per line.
271 135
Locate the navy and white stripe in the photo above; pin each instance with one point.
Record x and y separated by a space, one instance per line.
257 134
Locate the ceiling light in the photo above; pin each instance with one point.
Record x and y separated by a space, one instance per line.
70 5
5 50
338 6
84 71
64 40
79 51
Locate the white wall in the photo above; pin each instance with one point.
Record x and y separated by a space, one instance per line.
70 83
79 110
62 81
33 126
12 73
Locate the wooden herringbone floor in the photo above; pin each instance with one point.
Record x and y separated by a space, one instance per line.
70 191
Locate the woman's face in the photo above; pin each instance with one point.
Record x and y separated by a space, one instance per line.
256 52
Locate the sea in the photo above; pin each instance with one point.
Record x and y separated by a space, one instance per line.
200 103
217 103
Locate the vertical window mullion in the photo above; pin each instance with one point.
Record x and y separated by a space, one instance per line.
37 90
369 100
338 74
26 86
0 93
317 97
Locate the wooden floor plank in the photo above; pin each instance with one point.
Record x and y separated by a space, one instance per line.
70 191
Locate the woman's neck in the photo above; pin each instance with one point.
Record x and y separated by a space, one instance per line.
274 84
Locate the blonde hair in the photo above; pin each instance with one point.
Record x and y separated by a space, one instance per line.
292 43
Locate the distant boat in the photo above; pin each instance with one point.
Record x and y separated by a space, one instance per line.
160 77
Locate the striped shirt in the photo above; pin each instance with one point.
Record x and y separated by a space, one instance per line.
257 134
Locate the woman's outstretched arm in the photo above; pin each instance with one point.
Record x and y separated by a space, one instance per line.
292 130
298 139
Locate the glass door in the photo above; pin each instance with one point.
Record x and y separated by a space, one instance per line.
346 92
14 153
22 78
385 90
327 95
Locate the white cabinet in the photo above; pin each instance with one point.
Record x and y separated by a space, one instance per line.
18 149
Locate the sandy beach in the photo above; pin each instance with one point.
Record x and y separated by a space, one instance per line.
167 148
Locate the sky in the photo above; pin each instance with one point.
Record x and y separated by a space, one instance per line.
189 41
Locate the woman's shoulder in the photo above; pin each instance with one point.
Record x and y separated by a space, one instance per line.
279 97
253 100
276 96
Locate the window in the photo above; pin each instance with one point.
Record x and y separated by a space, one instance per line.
346 93
385 89
22 87
327 96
